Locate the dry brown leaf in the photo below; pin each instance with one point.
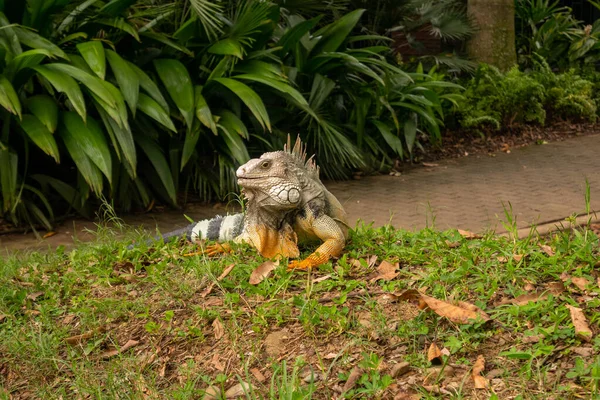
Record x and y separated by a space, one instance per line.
400 369
321 278
434 354
452 245
355 374
34 296
529 287
216 362
371 261
547 249
459 314
581 283
480 381
262 271
526 298
385 271
468 234
111 353
49 235
258 375
84 336
238 390
209 288
555 288
582 329
430 165
218 329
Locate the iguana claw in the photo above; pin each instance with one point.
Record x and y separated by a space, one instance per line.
213 250
303 264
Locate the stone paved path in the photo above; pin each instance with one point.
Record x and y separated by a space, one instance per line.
543 183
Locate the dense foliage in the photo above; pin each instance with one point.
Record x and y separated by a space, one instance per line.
136 100
496 99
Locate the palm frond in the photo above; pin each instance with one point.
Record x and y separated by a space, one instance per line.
210 16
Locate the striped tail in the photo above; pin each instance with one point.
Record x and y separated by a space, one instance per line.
219 228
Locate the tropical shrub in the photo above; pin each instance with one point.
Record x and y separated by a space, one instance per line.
136 101
546 29
499 100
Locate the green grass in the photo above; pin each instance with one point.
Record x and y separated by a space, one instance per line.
294 335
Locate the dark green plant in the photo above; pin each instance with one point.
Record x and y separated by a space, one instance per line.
138 100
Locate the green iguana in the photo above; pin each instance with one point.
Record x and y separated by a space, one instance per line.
286 203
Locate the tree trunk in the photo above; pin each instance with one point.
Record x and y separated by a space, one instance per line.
494 40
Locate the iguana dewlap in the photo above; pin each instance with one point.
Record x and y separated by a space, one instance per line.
286 203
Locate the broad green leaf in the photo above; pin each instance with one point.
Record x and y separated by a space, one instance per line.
73 36
40 135
233 123
13 44
277 85
45 109
35 41
90 139
73 14
120 104
156 157
64 84
227 47
8 178
370 37
95 84
176 79
116 7
127 78
203 112
293 35
88 170
151 108
235 144
331 37
37 214
67 192
189 145
27 59
121 24
221 68
78 62
392 140
250 98
124 138
93 53
150 87
165 40
8 97
410 132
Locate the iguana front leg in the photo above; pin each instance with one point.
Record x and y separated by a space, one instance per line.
326 229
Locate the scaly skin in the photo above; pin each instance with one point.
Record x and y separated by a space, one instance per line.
287 203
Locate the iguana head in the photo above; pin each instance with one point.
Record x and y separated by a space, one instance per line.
271 179
282 179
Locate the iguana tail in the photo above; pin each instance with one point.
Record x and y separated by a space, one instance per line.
219 228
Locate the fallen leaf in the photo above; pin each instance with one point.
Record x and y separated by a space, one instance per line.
209 288
480 381
385 271
371 261
330 356
84 336
34 296
48 235
238 390
462 314
68 319
581 283
218 329
583 351
452 245
528 287
258 375
582 329
355 374
262 271
216 362
2 317
430 165
111 353
399 369
434 354
468 234
547 249
321 278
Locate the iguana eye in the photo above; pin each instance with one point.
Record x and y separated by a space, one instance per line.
265 164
